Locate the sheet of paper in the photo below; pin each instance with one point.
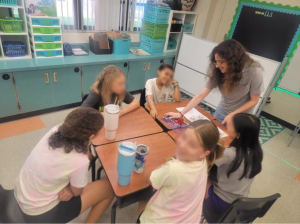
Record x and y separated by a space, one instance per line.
193 114
222 133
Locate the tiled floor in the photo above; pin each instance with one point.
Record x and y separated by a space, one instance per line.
281 169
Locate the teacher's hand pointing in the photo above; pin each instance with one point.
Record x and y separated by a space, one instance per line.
174 115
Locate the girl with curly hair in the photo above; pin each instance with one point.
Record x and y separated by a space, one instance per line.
238 77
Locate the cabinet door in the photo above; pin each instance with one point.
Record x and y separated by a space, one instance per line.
136 75
8 100
151 68
90 73
168 61
34 90
66 84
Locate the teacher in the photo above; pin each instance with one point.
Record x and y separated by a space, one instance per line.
238 77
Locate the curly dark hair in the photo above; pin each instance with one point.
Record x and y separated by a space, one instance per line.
236 58
76 130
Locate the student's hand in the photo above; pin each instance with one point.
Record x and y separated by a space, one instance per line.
65 194
174 82
153 113
227 118
174 115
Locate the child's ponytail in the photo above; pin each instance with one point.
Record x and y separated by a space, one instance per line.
215 154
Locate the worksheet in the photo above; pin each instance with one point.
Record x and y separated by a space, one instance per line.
193 114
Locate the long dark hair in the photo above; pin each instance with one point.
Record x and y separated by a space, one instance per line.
76 130
247 145
236 58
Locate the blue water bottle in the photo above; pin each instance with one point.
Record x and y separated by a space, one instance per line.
126 161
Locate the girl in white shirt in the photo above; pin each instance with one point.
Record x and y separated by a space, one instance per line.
181 183
53 186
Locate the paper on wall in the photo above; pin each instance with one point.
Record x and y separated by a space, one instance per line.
193 114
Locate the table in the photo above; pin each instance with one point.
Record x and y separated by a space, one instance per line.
164 108
161 148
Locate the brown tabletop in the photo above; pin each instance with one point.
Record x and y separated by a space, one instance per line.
164 108
161 148
134 124
176 133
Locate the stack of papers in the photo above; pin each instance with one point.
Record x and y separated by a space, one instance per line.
78 51
193 114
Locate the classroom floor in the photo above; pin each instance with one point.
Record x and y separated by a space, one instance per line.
281 166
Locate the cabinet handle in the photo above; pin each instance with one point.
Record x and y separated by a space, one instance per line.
46 78
55 76
149 66
144 66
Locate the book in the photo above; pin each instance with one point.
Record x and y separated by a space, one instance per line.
41 7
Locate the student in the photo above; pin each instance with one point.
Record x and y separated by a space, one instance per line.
109 88
239 165
158 90
181 183
53 185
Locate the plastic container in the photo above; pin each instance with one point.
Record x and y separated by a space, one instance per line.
153 30
142 152
46 30
51 53
14 48
45 46
152 45
176 28
172 44
188 28
46 38
126 161
111 120
9 2
120 46
94 47
44 22
156 14
11 25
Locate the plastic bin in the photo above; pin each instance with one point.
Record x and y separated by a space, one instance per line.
156 14
44 22
46 30
46 38
152 45
9 2
11 25
176 28
45 46
120 46
14 48
94 47
188 28
172 44
46 53
153 30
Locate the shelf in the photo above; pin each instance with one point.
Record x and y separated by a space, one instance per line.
11 6
175 32
15 58
13 34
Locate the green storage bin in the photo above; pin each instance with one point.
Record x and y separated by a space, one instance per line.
45 46
46 30
11 25
154 30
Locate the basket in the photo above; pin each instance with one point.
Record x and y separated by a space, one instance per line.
50 53
188 27
46 38
120 46
9 2
172 44
152 45
44 22
45 46
156 14
11 25
14 48
153 30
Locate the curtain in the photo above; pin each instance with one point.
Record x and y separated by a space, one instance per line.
107 15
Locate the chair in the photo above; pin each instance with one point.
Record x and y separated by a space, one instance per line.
242 210
143 98
10 211
294 133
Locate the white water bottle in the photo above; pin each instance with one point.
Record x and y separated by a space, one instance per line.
111 120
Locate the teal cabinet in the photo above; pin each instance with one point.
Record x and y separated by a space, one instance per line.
91 72
136 75
66 84
34 90
153 65
168 61
8 100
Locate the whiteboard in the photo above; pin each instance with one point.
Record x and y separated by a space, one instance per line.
193 62
291 78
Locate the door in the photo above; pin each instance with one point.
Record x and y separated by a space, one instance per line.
8 100
136 75
34 90
66 84
91 72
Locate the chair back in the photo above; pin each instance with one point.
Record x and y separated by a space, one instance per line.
246 210
143 98
96 106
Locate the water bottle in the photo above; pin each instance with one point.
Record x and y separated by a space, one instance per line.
126 161
111 120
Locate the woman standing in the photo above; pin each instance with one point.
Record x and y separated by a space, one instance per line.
238 77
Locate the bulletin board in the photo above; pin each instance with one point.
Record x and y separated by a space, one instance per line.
267 29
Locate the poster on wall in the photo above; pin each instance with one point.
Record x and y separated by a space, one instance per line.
41 7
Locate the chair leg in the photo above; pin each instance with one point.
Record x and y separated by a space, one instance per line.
113 212
99 172
93 168
294 133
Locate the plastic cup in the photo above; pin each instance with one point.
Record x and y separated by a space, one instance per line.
142 152
111 120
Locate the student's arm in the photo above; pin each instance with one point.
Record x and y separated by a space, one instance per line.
132 106
161 177
194 102
176 95
153 111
